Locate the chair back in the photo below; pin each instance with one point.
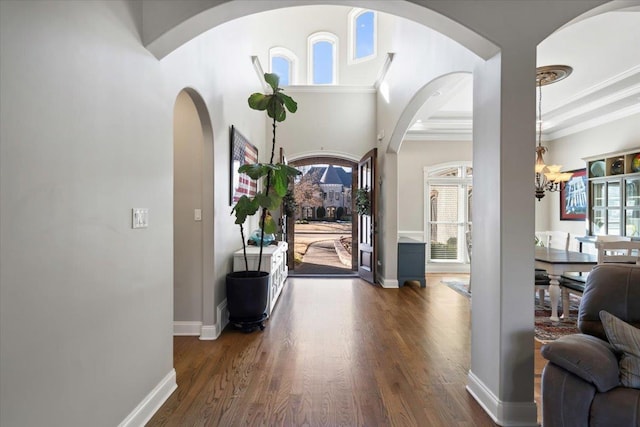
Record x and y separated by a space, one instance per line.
622 252
554 239
559 240
614 288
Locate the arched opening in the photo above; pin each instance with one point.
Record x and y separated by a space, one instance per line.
500 279
323 234
192 216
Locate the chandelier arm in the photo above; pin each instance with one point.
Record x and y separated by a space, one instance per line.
555 181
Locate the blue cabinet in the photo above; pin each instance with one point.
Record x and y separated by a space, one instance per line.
411 261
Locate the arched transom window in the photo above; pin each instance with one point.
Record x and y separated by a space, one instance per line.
323 64
284 63
362 35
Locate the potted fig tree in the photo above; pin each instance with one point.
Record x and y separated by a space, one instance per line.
247 290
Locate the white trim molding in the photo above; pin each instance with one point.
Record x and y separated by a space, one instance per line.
152 402
513 414
209 332
205 332
388 283
324 153
181 328
212 332
257 66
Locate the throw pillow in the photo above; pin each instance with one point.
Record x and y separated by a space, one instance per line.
626 339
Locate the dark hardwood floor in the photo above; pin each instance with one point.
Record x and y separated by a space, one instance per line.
336 352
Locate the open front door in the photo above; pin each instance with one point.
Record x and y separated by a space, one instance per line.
287 223
367 250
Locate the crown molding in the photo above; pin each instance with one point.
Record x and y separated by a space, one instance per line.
610 100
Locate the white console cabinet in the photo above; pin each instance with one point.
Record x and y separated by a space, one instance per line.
274 261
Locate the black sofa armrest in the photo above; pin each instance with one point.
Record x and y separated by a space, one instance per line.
588 357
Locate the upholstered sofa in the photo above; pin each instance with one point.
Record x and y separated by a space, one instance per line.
581 384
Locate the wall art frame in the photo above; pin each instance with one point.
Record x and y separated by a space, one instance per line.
241 152
573 197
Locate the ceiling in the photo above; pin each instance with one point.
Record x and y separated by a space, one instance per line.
604 52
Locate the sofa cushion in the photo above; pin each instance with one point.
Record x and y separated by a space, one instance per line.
618 407
626 339
590 358
615 289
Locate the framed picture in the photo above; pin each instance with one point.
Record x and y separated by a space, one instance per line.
573 197
242 152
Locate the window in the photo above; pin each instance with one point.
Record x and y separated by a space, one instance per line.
307 212
284 63
448 213
614 195
323 65
362 35
282 67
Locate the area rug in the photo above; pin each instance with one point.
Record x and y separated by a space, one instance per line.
460 286
546 330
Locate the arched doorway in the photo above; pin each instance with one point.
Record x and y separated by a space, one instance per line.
323 224
192 216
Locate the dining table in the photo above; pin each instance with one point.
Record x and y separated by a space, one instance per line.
558 262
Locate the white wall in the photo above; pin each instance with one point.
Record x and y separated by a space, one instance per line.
623 134
413 157
222 74
294 29
427 57
85 300
335 122
86 135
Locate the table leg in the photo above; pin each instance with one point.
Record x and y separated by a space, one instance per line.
554 296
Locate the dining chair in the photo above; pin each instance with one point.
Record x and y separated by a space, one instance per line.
559 240
610 249
621 252
550 239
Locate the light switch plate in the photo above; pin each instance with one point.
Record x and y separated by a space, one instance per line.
197 214
139 218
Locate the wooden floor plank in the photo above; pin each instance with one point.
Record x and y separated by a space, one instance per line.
336 352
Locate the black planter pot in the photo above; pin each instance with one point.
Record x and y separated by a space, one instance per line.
247 294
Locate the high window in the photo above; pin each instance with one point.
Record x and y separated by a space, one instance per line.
449 193
362 35
284 63
323 64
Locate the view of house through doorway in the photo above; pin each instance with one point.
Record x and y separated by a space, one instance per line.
323 218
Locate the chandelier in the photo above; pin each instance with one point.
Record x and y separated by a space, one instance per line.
548 177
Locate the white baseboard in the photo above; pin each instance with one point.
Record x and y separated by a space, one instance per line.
205 332
388 283
209 332
515 414
212 332
152 402
181 328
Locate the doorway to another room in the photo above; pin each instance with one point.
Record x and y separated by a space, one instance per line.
322 222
